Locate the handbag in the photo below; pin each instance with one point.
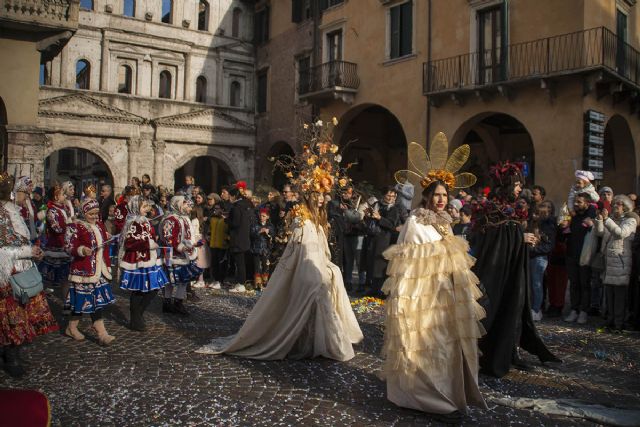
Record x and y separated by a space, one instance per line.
26 284
589 248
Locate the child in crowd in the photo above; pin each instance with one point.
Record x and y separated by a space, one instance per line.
582 185
262 235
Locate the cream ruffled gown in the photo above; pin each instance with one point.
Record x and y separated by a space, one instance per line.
433 319
303 312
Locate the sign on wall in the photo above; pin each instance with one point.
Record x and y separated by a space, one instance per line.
593 157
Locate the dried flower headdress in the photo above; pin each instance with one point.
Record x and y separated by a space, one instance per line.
6 182
317 167
437 165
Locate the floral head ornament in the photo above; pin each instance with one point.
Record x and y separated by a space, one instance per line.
425 169
317 167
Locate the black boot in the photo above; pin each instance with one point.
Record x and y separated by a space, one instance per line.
135 307
518 363
191 294
12 365
167 306
180 308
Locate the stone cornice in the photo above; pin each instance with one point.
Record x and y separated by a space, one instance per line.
177 120
119 116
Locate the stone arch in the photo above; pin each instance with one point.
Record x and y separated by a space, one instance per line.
115 167
228 159
373 138
620 169
494 136
276 178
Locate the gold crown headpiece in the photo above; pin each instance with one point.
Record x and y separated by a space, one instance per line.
425 169
90 191
317 168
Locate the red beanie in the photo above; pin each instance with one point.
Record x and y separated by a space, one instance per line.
241 184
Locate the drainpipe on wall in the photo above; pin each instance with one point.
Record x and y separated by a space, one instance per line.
317 59
428 71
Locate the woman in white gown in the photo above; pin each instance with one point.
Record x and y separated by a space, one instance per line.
304 311
433 318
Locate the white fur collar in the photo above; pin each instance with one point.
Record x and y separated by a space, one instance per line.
16 220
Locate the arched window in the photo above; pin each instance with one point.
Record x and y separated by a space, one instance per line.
83 74
234 94
86 4
165 84
235 24
124 79
129 8
203 16
201 89
167 6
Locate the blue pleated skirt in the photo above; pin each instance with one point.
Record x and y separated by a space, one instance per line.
144 279
89 297
183 274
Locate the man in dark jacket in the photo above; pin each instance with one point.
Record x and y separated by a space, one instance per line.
343 217
381 221
542 238
239 220
579 275
106 200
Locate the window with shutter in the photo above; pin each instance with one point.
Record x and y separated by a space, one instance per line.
401 30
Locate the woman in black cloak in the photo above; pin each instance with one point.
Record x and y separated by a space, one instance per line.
503 268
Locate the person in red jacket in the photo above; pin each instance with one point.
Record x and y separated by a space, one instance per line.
141 270
90 272
55 264
121 211
175 232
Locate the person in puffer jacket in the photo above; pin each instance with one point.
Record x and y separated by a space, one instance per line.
618 232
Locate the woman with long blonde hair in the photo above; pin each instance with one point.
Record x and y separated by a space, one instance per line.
305 311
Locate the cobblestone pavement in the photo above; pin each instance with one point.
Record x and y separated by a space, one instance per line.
155 378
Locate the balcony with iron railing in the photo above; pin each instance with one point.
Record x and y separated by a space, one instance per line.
331 80
581 52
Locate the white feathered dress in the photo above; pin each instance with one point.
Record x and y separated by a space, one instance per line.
433 319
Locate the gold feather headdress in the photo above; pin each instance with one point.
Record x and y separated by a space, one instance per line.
437 165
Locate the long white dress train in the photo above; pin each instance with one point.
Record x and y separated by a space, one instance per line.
303 312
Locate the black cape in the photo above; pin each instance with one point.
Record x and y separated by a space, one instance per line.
503 268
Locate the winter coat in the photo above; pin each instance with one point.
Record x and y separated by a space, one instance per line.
241 216
378 243
547 234
617 239
219 233
261 243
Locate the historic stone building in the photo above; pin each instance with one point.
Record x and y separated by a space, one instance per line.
163 87
29 31
553 84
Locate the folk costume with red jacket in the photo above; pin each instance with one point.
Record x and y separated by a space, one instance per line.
89 276
138 259
55 265
18 323
120 215
175 231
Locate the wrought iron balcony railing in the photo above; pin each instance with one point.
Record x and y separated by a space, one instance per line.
330 76
595 48
41 13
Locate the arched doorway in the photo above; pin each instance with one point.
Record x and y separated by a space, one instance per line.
619 156
80 166
274 175
209 172
4 141
495 137
372 138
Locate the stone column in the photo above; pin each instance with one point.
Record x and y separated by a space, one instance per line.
158 161
187 78
139 79
64 67
133 147
154 79
104 63
180 79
